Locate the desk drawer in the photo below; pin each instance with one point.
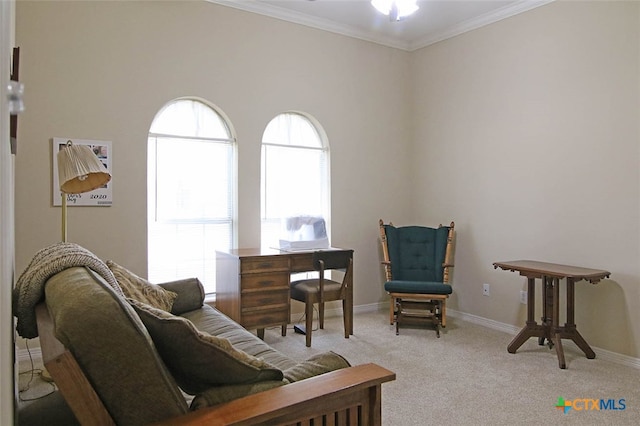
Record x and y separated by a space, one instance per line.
265 299
264 264
302 262
267 282
263 319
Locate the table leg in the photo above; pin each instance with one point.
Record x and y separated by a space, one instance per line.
555 326
571 302
545 305
545 309
581 343
531 329
570 331
560 352
547 316
260 333
531 299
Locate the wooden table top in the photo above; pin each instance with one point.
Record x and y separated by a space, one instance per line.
536 269
272 251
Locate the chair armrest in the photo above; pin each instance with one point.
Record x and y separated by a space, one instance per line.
348 392
190 294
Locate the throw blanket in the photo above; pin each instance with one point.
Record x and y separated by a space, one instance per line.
29 290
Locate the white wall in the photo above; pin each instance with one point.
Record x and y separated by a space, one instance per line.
527 136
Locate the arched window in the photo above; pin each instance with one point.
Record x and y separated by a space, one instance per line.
295 173
191 191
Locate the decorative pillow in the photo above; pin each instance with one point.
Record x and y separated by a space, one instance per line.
137 288
198 360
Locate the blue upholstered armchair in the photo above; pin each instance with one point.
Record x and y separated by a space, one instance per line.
417 261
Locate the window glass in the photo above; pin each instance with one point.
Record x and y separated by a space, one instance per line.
295 178
187 117
191 157
293 130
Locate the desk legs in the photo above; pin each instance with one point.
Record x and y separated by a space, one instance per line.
550 328
260 331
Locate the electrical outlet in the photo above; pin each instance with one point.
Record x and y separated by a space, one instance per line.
485 290
523 297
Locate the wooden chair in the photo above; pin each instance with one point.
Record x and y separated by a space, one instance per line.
417 260
320 290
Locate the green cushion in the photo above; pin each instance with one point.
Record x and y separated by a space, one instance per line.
417 252
418 287
199 360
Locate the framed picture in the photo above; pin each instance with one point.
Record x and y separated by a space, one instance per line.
98 197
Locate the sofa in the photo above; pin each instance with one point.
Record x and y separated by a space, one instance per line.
140 353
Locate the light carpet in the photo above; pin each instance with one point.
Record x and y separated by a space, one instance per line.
467 376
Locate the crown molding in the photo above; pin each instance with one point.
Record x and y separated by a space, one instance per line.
311 21
327 25
478 22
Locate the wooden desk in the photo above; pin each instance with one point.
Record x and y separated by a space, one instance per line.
252 286
550 329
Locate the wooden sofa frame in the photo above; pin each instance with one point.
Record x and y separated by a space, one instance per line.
350 396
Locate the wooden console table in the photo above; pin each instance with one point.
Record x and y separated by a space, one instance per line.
550 329
252 286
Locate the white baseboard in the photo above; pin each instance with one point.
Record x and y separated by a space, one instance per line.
36 353
31 354
604 354
485 322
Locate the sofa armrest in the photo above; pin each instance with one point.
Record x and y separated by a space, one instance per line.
190 294
352 393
